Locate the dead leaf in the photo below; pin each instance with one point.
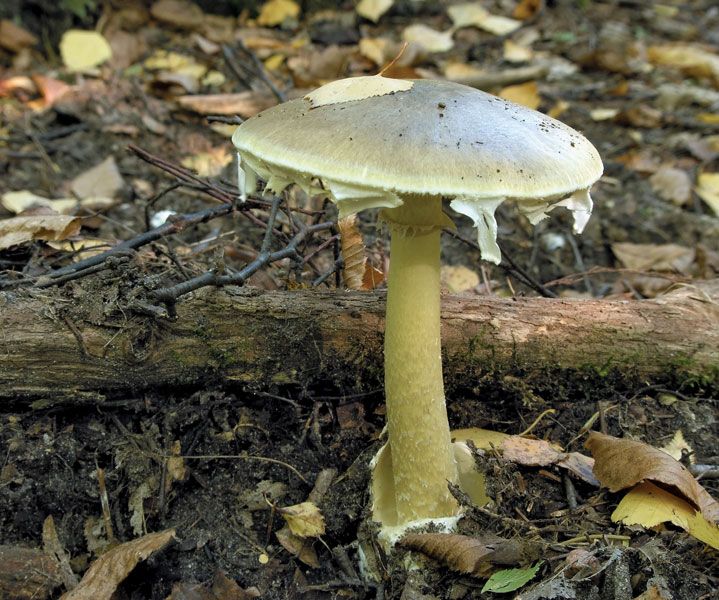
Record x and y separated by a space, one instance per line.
475 556
526 94
649 505
623 463
526 9
692 59
221 588
15 38
603 114
102 180
20 230
276 12
28 573
107 572
299 547
672 184
51 545
654 592
51 90
84 50
472 14
677 446
245 104
178 13
82 248
708 190
641 115
21 200
458 278
655 257
429 39
304 519
356 88
373 9
515 53
356 273
210 163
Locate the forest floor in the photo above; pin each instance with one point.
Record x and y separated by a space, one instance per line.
639 79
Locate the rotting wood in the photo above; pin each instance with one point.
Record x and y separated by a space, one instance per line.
236 336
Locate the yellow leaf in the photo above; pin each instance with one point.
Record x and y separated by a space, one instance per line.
275 12
603 114
378 50
708 190
373 9
356 88
483 439
430 39
84 50
274 62
304 519
648 505
526 94
558 109
676 445
471 14
84 248
16 202
210 163
459 278
708 118
516 53
694 60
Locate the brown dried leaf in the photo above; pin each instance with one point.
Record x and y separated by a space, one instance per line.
526 94
51 545
526 9
304 519
20 230
178 13
222 588
655 257
27 573
301 548
472 555
357 274
15 38
108 571
244 104
622 463
103 180
692 59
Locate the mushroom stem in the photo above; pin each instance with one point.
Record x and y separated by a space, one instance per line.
419 438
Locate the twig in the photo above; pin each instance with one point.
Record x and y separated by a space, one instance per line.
261 72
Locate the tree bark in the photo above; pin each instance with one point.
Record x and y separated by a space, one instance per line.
86 346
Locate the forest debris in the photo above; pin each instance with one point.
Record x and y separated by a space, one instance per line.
27 573
178 13
526 94
472 14
84 50
51 90
304 519
20 230
107 572
708 190
526 9
21 200
298 547
655 257
221 588
277 12
245 104
692 59
209 163
15 38
622 463
672 184
468 74
53 547
373 9
429 39
516 53
471 555
483 439
103 180
649 505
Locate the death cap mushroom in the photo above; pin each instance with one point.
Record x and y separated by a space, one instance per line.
365 142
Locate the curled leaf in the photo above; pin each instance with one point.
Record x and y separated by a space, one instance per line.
304 519
621 463
20 230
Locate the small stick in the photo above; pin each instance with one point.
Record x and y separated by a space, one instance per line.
105 503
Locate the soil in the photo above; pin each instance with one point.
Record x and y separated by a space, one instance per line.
248 451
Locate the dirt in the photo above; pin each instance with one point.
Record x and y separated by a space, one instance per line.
248 452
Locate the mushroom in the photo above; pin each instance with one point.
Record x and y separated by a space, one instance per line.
403 146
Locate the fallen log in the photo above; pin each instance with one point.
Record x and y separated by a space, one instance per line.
84 343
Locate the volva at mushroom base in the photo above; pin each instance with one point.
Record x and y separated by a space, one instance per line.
402 146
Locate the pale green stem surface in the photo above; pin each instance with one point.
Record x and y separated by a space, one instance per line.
419 438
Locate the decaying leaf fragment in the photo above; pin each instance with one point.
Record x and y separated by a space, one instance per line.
477 556
304 519
357 274
621 463
20 230
373 9
276 12
108 571
708 190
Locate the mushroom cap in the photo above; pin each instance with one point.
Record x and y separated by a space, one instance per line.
436 137
375 141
